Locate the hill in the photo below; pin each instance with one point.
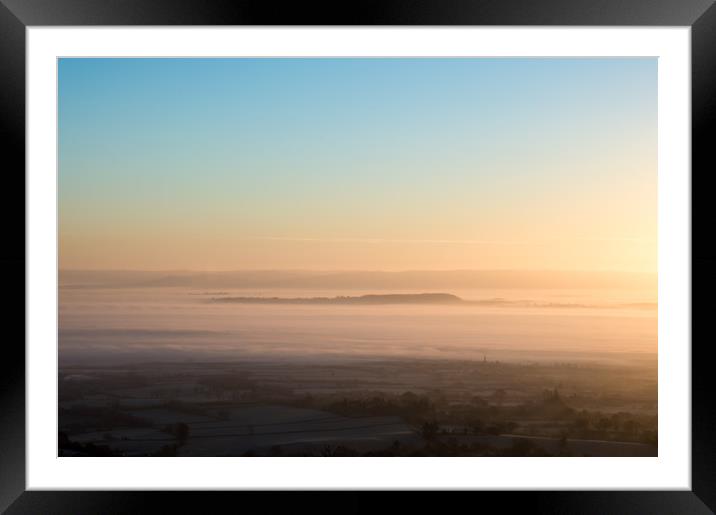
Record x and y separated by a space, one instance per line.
419 298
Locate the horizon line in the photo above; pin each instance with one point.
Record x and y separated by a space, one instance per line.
357 270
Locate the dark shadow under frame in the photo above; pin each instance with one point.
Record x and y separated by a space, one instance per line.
16 15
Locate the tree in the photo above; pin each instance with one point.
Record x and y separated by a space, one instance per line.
409 398
603 424
563 441
631 427
429 430
581 423
477 426
181 432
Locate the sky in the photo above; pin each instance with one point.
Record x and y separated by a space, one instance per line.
358 164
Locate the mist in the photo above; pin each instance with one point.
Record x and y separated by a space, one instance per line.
175 324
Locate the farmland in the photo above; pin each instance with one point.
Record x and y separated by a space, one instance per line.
358 407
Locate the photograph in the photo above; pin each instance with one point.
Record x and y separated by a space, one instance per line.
357 257
460 238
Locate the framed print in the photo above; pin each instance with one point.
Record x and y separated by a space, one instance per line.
443 247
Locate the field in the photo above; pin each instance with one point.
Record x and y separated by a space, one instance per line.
358 408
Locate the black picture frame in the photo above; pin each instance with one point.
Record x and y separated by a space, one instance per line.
17 15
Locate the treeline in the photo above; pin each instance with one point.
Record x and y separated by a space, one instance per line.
488 416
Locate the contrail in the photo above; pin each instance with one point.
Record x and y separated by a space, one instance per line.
386 240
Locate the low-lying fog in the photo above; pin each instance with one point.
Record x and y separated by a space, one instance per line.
114 325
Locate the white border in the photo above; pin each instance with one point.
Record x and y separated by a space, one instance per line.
671 470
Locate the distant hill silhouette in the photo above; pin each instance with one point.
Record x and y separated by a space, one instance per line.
418 298
422 298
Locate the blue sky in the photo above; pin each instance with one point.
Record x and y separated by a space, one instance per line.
260 150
